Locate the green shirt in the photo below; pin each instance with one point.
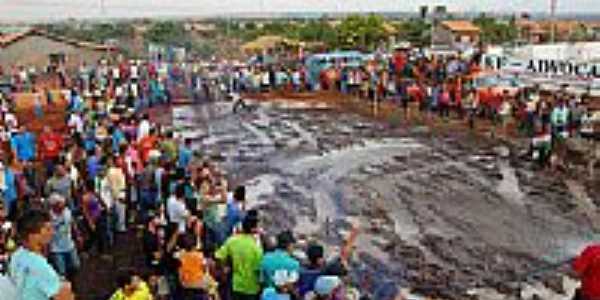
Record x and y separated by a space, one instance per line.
170 149
245 255
211 212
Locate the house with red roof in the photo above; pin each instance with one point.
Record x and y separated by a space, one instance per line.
457 34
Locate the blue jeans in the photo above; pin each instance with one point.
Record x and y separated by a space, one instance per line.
65 262
147 202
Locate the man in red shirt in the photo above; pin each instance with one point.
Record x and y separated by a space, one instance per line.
49 146
587 267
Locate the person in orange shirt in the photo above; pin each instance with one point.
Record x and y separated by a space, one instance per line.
147 144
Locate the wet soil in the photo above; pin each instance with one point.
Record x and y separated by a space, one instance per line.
441 212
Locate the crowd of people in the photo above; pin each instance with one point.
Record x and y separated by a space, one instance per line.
68 193
70 190
448 87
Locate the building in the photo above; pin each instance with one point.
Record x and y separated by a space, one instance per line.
39 49
565 30
593 30
531 32
456 34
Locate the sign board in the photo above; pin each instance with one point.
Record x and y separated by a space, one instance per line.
580 60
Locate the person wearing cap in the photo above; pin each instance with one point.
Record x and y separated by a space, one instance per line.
326 288
245 254
60 183
284 286
62 247
280 259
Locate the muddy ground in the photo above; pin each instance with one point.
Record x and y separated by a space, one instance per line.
450 216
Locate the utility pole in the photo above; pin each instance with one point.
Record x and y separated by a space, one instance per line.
553 20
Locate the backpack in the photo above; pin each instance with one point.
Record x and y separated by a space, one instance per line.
191 270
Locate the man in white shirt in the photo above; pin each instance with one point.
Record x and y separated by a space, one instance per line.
76 123
134 71
143 127
176 210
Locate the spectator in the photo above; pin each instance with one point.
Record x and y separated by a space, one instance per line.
92 210
185 154
7 239
50 145
192 271
143 128
326 288
62 248
9 192
283 286
23 144
131 287
60 183
314 269
587 268
245 255
29 269
177 212
280 259
236 206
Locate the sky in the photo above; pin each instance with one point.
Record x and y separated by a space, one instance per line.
11 10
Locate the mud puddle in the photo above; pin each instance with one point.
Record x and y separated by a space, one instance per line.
440 217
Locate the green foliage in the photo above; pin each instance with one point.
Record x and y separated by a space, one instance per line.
98 33
167 33
580 34
416 31
202 48
317 31
495 32
361 31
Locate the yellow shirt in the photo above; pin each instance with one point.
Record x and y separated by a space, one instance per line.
141 293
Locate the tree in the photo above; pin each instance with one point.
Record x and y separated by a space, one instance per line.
416 31
317 31
579 34
360 31
202 48
495 32
167 33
